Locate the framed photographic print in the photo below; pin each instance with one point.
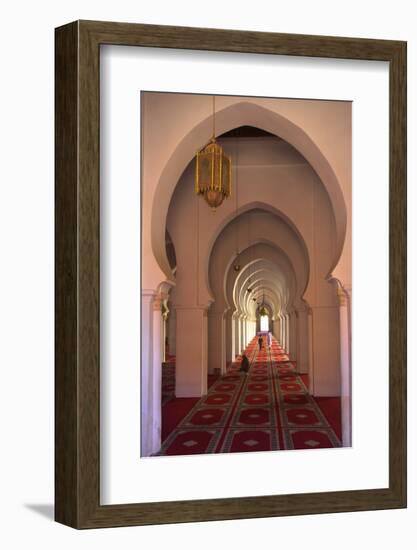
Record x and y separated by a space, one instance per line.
230 274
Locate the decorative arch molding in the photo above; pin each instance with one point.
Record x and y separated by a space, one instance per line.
253 206
278 271
295 260
264 281
274 257
239 114
285 294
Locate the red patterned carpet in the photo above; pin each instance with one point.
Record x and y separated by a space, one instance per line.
267 409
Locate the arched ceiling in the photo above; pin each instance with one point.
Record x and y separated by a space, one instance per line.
261 281
262 264
266 274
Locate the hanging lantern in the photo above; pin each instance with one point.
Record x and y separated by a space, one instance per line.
213 176
263 311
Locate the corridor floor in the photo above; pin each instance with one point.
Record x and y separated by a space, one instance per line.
267 409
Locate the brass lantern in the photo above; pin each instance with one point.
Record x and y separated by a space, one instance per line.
213 176
263 311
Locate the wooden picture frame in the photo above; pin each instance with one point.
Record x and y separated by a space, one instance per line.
77 359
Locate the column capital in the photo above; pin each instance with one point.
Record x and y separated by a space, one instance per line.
341 295
157 303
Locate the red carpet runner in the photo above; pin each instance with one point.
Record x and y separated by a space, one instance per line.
267 409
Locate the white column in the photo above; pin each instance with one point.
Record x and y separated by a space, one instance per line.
165 313
163 339
157 373
287 333
238 327
147 373
252 329
234 337
171 331
217 342
297 339
292 352
279 330
191 356
345 369
228 336
326 349
282 331
242 336
310 353
275 327
238 333
303 342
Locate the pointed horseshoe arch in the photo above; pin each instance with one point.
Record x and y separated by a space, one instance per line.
239 114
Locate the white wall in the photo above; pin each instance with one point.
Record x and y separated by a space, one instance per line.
26 275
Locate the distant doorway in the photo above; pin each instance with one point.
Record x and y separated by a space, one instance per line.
264 323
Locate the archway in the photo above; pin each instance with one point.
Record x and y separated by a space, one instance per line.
238 114
274 268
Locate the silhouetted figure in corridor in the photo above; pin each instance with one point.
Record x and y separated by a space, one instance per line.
260 342
244 366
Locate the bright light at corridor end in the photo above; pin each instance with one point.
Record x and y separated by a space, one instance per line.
264 323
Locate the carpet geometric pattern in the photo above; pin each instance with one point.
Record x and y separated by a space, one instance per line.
269 408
